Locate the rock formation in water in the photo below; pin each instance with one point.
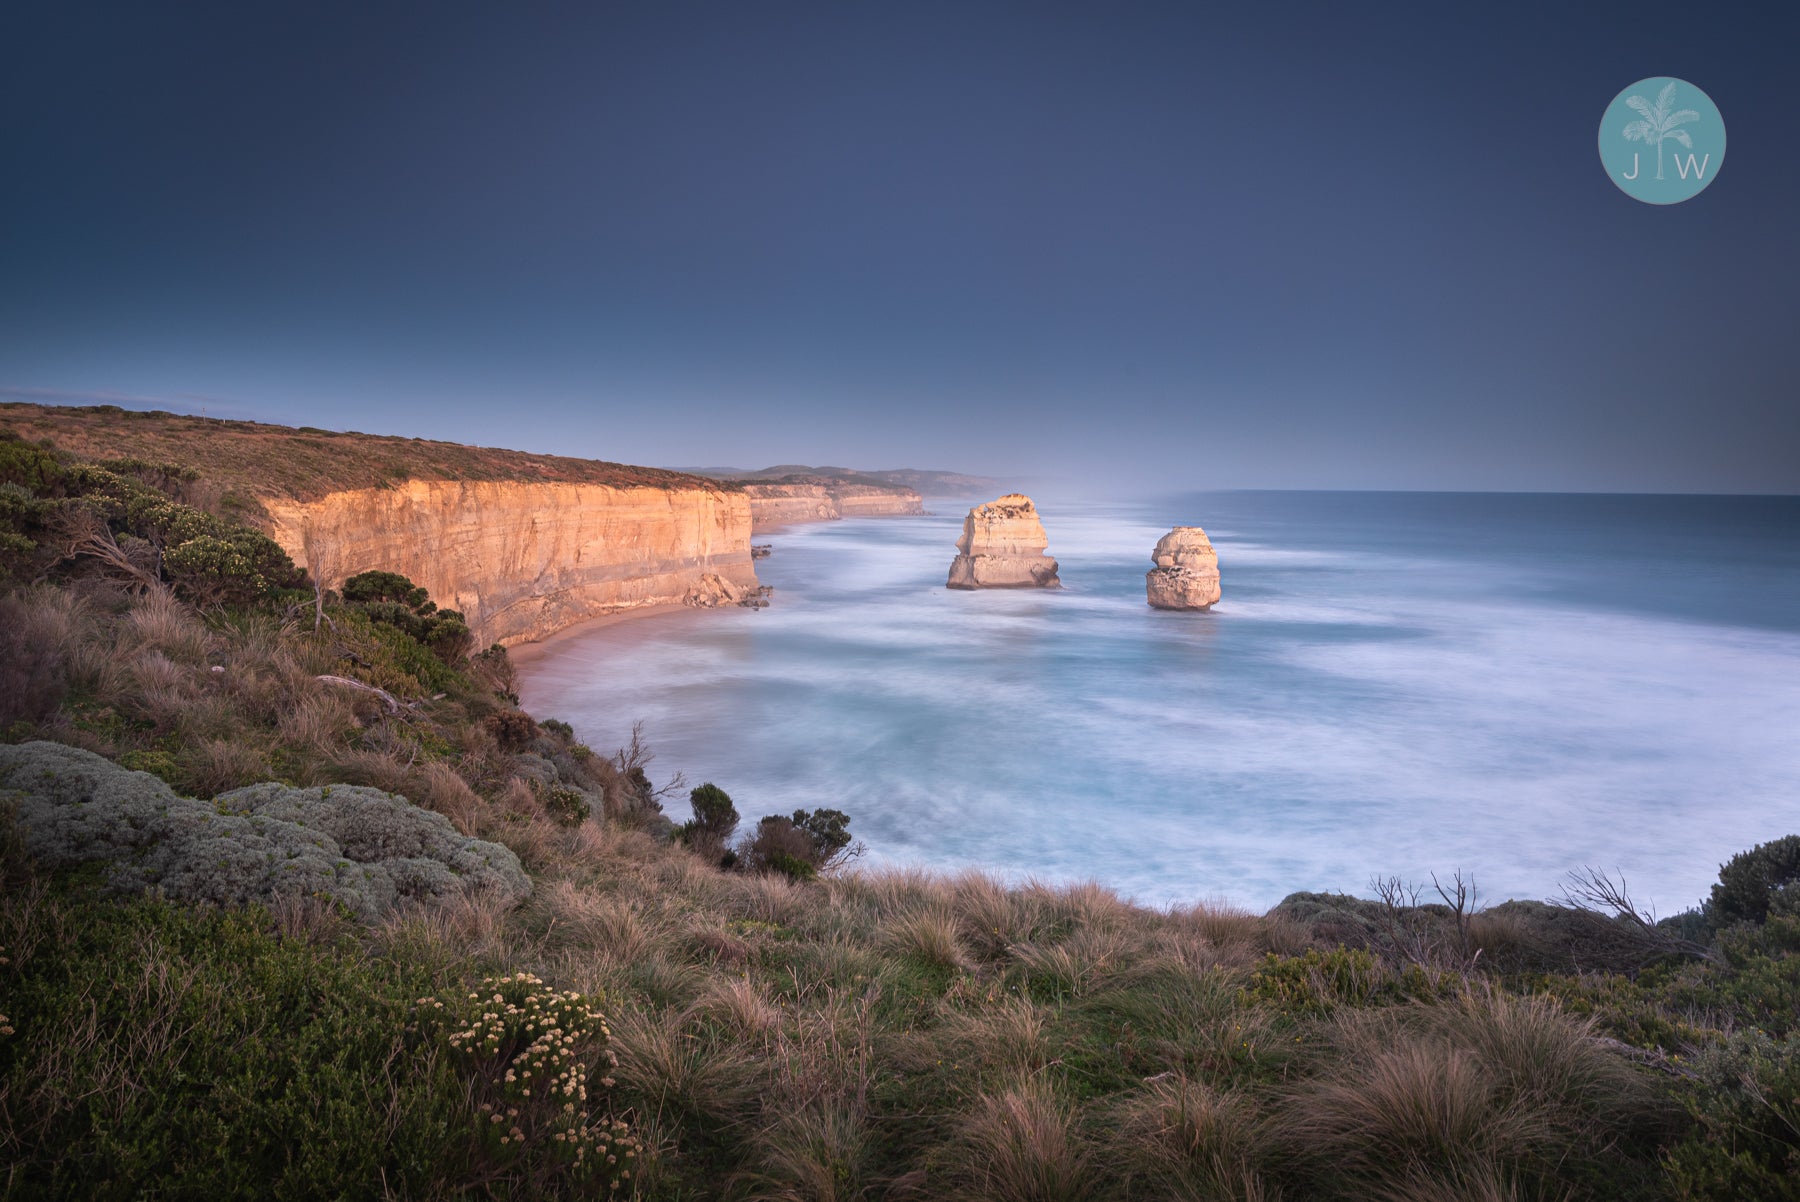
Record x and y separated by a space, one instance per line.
714 591
1002 546
1186 575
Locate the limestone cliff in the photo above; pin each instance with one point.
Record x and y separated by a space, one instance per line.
522 560
776 505
1186 575
1002 546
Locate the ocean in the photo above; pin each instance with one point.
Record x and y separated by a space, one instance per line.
1510 685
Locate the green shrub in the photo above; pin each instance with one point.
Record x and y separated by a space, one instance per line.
539 1066
512 729
390 599
569 807
1751 881
714 813
166 1052
1320 982
1744 1095
31 468
792 867
363 848
157 762
829 831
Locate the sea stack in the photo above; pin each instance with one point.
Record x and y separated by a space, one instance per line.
1002 546
1186 575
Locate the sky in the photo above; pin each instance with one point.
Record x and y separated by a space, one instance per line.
1123 244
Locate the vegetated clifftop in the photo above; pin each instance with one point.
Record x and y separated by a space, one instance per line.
926 483
523 545
803 499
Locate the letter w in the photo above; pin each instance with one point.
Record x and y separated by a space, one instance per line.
1699 172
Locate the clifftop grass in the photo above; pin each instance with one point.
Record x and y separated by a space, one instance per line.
254 459
859 1035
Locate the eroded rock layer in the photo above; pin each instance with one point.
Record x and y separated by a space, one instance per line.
1186 575
524 560
1002 546
776 505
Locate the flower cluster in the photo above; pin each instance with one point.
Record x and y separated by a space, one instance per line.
535 1049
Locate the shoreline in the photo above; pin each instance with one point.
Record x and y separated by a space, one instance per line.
523 655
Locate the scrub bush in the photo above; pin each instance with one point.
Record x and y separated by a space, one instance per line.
568 806
361 847
161 1051
539 1064
1753 882
1744 1095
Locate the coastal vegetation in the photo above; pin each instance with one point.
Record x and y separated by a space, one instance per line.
244 460
635 1008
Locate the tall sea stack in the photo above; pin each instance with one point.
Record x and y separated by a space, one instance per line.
1002 546
1186 575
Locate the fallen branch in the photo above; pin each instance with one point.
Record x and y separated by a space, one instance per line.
387 698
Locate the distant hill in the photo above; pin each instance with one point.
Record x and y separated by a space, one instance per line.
304 463
924 482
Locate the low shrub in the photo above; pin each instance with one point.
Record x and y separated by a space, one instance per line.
161 1051
513 730
540 1065
565 805
361 847
1752 882
1744 1096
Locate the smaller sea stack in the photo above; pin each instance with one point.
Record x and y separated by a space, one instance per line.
1186 575
1002 546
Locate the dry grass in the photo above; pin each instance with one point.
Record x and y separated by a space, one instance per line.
677 1073
602 924
821 1153
884 1031
441 789
1022 1146
995 917
1189 1140
1005 1040
931 935
258 460
739 1005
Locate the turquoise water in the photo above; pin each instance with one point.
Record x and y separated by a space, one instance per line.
1511 685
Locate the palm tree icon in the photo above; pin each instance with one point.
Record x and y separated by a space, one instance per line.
1659 122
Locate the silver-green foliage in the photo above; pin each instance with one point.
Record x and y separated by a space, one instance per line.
365 848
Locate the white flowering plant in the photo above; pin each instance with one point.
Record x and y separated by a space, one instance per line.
541 1065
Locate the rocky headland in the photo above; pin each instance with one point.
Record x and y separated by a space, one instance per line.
1186 575
524 560
1002 546
522 545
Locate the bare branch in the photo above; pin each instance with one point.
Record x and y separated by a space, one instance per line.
1594 890
387 698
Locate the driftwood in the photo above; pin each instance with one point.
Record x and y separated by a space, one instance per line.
387 698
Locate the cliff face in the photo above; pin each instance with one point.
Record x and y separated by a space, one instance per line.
776 505
1002 546
523 560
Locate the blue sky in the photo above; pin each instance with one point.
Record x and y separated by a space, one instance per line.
1177 245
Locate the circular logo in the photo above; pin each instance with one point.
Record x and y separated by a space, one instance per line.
1662 141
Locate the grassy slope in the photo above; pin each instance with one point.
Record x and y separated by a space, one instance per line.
258 460
875 1035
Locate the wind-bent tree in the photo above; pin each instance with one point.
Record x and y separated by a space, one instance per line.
1659 122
